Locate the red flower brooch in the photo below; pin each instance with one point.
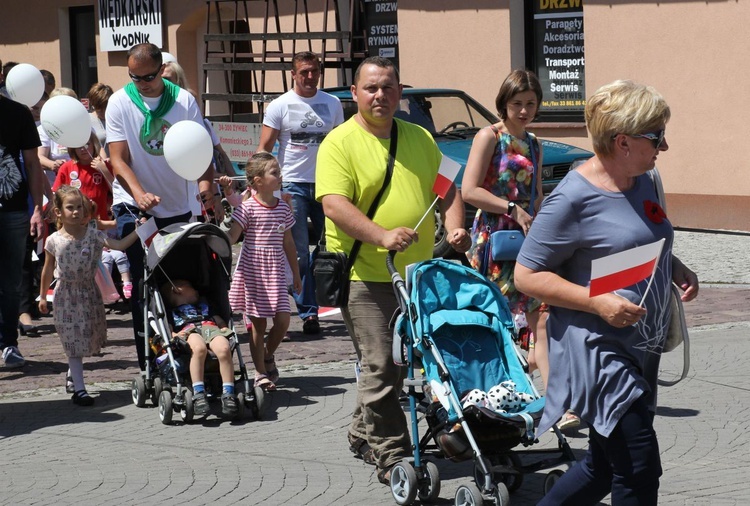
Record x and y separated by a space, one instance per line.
654 212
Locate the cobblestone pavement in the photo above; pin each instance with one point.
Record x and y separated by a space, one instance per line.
57 453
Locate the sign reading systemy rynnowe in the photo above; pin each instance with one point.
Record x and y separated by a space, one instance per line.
382 28
125 23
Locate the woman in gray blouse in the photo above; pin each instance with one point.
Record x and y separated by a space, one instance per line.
604 350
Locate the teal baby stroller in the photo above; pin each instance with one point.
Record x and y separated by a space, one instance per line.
474 390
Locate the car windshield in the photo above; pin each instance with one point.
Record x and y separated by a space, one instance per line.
438 114
442 114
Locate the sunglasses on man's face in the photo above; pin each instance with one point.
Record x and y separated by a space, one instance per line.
147 78
656 138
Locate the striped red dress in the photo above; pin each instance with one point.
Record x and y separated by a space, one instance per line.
259 284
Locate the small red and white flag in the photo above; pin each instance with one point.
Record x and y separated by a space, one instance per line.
447 173
147 231
625 268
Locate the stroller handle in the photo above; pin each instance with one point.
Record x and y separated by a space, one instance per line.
389 263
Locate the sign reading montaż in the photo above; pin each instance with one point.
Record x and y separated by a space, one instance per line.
125 23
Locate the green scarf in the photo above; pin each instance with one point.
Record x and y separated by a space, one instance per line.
168 98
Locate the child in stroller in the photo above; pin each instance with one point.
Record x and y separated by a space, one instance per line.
194 322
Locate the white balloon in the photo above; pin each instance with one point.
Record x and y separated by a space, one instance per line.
188 149
167 57
25 84
66 121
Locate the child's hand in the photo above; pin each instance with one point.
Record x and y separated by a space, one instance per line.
43 305
98 164
226 184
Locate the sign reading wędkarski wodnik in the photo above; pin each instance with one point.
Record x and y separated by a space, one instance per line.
125 23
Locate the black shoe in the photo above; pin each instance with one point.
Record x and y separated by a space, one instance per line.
229 405
200 404
82 398
311 325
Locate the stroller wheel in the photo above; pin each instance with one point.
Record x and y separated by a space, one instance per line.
187 410
258 406
165 407
551 479
240 406
468 495
158 387
429 485
403 483
501 495
138 391
513 480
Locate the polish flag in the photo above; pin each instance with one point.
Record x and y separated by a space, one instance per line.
147 231
624 269
447 172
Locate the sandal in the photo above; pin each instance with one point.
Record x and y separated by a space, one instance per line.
262 381
359 447
569 421
384 475
271 370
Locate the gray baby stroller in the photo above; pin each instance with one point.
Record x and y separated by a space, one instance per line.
200 253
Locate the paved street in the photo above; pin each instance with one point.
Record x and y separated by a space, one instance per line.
116 453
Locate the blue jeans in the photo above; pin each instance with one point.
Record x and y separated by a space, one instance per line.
305 205
126 216
15 228
626 463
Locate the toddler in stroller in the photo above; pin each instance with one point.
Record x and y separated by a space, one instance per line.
194 322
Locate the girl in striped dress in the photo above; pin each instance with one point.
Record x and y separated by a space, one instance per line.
259 288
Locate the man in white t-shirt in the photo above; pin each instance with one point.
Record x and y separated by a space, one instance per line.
137 119
300 119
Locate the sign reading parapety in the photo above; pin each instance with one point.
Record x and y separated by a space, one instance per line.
125 23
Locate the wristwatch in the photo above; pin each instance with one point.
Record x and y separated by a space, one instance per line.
511 206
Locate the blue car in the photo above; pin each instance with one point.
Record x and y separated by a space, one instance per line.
454 118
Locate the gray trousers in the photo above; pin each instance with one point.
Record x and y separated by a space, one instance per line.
378 417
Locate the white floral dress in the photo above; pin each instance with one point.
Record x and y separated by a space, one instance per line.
78 313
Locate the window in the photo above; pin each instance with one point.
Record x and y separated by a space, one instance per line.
554 49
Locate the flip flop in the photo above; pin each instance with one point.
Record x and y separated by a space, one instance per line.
262 381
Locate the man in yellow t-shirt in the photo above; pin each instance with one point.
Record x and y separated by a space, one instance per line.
350 172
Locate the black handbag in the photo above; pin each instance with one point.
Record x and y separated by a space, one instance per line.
331 268
505 244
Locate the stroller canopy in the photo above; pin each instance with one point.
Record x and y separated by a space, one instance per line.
174 235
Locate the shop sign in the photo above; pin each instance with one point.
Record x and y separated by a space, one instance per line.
125 23
560 61
382 28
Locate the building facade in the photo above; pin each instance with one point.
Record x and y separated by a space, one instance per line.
686 50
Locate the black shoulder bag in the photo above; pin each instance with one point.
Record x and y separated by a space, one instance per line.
331 269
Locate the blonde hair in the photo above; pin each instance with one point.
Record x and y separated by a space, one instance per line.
63 91
179 74
257 165
623 107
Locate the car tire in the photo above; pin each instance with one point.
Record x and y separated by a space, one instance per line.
442 247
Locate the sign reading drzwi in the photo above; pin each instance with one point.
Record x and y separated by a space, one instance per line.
125 23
